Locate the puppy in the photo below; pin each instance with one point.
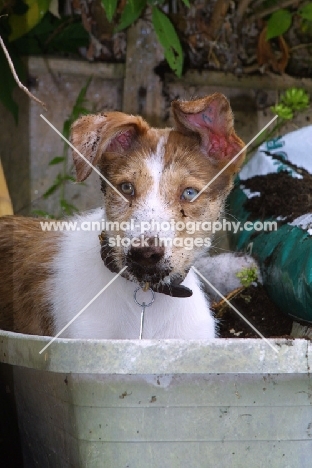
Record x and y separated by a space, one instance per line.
150 177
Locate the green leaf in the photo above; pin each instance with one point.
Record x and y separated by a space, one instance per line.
53 35
156 2
110 8
306 12
82 93
186 2
68 177
69 38
278 23
169 39
66 128
282 111
42 214
51 190
131 13
247 276
56 160
296 99
68 208
21 24
78 108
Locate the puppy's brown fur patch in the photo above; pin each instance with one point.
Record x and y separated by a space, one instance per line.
26 253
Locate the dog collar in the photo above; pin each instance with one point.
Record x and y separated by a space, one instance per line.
174 290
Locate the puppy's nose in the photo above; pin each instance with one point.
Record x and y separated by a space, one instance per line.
147 256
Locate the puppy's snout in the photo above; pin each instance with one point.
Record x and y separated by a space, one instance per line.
147 256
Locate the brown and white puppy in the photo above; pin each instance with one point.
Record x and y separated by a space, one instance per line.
48 276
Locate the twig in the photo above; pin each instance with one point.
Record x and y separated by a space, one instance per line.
219 307
300 46
242 7
16 78
251 68
58 30
220 10
271 9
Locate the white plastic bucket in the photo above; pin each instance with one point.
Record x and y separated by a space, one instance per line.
162 404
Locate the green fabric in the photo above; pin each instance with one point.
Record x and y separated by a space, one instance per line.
285 258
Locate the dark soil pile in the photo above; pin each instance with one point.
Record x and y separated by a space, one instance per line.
281 195
254 304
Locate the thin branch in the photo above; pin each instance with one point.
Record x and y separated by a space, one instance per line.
16 78
300 46
272 9
220 10
242 7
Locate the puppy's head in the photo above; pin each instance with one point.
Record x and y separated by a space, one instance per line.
150 177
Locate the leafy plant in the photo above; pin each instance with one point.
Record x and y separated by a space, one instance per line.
247 276
27 27
64 176
294 99
291 102
51 35
165 31
29 14
169 40
131 12
280 21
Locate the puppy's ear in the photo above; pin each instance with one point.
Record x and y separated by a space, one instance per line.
211 118
96 135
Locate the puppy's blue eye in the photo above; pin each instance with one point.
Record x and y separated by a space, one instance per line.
189 193
127 188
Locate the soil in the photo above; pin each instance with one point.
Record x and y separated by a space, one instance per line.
281 195
255 305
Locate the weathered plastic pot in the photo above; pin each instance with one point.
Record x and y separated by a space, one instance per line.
162 404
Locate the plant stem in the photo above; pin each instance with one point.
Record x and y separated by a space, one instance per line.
268 135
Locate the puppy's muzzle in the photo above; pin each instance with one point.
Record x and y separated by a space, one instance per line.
148 265
147 257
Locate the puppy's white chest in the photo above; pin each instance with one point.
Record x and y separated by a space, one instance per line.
114 314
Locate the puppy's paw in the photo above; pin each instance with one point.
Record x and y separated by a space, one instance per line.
221 271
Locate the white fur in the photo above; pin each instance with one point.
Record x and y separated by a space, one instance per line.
153 207
81 274
221 271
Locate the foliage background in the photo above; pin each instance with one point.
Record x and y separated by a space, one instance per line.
241 36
